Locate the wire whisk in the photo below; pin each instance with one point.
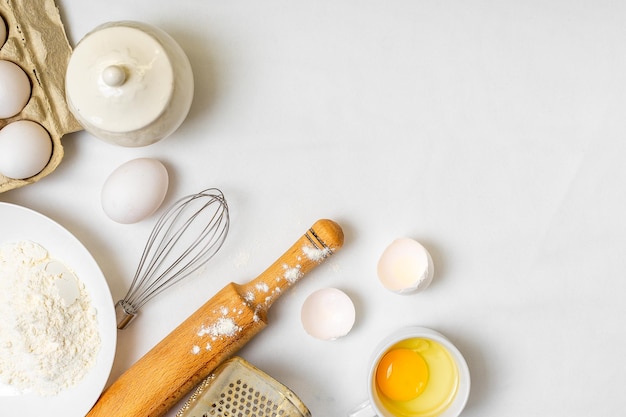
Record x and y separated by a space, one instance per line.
183 240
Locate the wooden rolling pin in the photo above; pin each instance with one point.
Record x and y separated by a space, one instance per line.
213 333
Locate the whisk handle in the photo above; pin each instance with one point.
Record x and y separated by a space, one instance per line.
212 334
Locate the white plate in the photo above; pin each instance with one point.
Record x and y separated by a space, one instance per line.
19 224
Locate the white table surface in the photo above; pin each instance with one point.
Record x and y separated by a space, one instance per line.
492 132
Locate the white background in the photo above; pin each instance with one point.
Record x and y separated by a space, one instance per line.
490 131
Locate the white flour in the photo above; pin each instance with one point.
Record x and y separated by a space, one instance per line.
317 255
45 345
224 326
292 274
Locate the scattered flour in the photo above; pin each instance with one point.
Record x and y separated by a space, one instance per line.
292 274
241 260
314 254
224 326
46 346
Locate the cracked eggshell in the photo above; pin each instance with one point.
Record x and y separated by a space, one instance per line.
328 314
405 267
134 190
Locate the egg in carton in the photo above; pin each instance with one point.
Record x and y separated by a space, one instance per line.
36 42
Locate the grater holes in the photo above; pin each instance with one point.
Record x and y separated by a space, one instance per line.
240 399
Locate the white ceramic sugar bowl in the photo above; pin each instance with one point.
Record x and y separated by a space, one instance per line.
129 83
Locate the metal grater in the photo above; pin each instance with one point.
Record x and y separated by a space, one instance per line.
238 389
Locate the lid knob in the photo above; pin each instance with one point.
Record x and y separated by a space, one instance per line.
114 75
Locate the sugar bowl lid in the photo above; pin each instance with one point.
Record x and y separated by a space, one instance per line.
129 83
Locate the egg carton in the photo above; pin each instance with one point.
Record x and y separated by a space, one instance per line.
37 42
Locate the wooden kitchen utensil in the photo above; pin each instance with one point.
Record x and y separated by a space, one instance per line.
213 333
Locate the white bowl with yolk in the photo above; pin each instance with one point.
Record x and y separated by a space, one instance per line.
416 372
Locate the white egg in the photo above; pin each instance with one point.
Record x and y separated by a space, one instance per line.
14 89
3 32
328 314
25 149
134 190
405 266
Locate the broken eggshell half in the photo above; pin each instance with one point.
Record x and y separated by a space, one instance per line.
405 267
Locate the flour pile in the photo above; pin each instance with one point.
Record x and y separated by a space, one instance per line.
46 346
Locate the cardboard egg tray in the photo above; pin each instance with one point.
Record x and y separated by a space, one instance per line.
36 41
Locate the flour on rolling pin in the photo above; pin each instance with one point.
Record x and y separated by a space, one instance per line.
36 42
260 295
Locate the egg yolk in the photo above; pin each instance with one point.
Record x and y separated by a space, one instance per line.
402 374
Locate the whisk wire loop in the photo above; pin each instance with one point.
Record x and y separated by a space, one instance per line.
182 241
